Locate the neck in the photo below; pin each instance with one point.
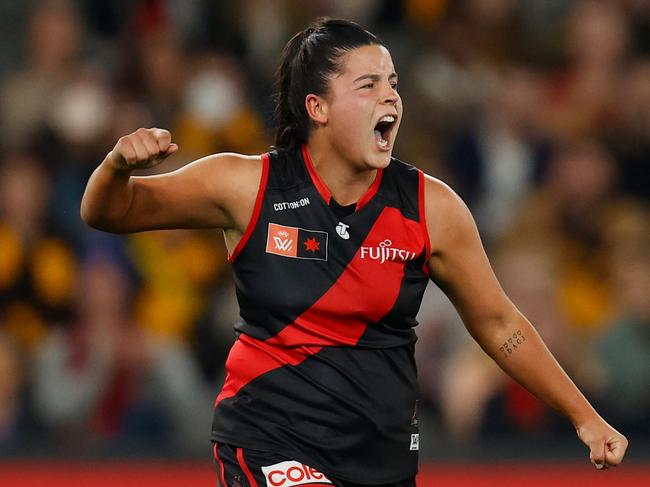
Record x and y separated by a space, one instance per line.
345 179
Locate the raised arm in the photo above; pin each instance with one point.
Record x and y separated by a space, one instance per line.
459 265
217 191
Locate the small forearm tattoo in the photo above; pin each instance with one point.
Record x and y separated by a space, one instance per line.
512 344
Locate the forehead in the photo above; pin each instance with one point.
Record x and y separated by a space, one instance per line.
373 59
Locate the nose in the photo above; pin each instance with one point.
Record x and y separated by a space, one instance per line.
390 97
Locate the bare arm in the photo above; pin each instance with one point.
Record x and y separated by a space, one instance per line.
460 267
213 192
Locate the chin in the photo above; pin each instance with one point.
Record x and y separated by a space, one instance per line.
379 160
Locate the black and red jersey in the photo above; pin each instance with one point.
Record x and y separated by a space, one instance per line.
323 368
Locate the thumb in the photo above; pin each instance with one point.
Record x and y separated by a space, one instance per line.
170 150
614 452
597 454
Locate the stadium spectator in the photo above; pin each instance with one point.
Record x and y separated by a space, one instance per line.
102 377
37 264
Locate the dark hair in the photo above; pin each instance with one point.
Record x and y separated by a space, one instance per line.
309 59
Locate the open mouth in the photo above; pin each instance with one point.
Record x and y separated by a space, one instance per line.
383 131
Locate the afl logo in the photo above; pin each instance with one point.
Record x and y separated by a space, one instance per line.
342 230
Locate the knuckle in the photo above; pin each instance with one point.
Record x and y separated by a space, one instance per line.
163 135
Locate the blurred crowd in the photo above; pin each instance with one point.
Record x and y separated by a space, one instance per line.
536 113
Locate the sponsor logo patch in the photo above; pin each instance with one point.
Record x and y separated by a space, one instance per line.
292 474
342 230
298 243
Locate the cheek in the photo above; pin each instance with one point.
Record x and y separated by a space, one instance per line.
349 122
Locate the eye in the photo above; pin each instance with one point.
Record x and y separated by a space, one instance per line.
369 85
393 85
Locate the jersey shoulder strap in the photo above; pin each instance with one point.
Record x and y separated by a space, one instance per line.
286 169
401 188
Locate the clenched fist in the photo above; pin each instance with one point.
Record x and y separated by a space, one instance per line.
142 149
606 445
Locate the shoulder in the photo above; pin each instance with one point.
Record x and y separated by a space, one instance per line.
439 196
448 217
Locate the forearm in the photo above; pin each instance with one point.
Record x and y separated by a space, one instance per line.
517 348
107 198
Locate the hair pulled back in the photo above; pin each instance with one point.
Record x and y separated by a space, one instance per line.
308 61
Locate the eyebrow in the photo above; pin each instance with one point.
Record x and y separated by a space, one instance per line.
374 77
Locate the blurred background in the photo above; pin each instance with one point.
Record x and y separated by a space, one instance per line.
536 112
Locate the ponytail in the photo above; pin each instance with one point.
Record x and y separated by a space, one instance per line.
288 132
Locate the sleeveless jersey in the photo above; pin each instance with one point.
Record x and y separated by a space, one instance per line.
323 368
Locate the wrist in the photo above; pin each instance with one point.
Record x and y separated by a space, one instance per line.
585 417
116 163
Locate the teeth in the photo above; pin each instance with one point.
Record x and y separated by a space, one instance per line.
380 140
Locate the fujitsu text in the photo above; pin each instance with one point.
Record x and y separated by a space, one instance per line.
384 252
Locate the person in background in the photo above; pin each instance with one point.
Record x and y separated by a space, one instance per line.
102 377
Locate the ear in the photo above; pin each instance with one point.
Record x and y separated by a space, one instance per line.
317 108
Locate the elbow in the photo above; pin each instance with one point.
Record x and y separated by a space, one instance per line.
96 220
494 324
86 215
89 217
